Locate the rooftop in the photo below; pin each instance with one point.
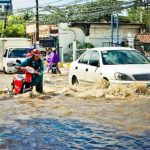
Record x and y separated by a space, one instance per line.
144 38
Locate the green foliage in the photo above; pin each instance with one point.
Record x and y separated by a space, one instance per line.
84 45
95 11
140 15
27 15
13 29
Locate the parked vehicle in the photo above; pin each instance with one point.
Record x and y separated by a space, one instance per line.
22 81
12 49
118 65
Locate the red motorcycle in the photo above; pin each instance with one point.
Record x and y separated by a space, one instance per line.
22 81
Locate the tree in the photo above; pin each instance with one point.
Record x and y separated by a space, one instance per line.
140 15
15 27
95 11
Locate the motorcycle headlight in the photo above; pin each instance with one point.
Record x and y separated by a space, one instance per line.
121 76
30 70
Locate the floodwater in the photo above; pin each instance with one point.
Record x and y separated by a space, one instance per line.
77 117
67 135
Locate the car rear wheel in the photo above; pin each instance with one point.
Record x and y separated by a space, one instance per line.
74 80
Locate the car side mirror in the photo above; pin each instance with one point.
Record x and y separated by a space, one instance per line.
98 65
18 61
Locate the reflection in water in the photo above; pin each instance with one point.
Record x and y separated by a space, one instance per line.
67 134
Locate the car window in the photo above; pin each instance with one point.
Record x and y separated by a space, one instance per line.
85 58
94 60
18 52
116 57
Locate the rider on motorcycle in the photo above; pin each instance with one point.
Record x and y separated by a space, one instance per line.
53 58
35 62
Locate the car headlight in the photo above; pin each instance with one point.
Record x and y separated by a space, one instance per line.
10 64
121 76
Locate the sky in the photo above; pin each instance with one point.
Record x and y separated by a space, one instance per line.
28 3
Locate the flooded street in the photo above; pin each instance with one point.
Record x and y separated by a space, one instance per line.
75 117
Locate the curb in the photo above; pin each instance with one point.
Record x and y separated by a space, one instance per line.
61 65
64 65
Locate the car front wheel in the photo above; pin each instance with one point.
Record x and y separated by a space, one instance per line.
74 80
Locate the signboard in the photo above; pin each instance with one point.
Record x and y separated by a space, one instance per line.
47 43
5 1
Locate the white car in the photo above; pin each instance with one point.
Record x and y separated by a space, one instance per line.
118 65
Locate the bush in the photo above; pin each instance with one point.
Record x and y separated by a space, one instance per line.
84 45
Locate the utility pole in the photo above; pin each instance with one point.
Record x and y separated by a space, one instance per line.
5 19
37 21
112 30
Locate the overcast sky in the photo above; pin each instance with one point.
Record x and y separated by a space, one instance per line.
27 3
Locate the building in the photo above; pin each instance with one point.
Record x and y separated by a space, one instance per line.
5 5
99 34
144 40
46 32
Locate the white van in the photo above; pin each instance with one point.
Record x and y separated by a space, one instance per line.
12 49
11 55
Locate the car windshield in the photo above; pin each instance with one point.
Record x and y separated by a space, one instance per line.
18 53
118 57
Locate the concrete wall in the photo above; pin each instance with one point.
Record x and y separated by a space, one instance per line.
68 34
2 7
98 34
102 33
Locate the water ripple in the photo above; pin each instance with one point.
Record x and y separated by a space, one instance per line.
60 134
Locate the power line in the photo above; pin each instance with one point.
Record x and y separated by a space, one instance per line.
98 10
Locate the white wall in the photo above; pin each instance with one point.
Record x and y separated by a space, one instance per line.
67 35
98 34
3 7
102 33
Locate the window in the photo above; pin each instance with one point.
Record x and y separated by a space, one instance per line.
18 53
0 6
118 57
6 8
85 58
94 60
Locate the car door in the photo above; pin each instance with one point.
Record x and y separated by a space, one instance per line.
93 69
82 65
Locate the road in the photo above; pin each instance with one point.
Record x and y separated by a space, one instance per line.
125 110
5 80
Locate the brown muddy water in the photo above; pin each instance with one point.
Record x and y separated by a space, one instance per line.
117 110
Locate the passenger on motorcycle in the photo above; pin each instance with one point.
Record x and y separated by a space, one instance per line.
35 62
52 59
